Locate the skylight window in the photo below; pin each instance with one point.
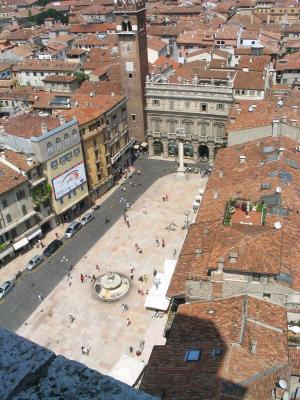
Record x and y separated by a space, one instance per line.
192 355
217 352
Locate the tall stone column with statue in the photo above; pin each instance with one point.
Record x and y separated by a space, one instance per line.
180 135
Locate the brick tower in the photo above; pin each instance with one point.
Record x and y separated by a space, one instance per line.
131 30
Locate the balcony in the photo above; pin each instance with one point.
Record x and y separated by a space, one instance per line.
37 182
123 150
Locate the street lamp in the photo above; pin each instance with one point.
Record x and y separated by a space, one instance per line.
187 222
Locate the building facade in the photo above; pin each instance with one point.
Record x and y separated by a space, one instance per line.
200 111
131 30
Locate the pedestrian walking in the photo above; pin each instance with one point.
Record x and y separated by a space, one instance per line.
56 235
174 253
166 197
141 279
71 318
40 296
136 247
81 278
163 244
139 172
140 251
94 278
128 322
147 291
142 292
97 268
128 224
138 353
130 349
145 278
163 198
157 241
82 349
154 272
42 245
131 276
131 268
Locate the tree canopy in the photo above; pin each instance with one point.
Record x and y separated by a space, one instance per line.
50 13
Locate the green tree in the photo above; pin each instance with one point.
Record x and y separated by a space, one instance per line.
41 194
50 13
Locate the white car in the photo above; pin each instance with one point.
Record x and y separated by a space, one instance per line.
72 229
87 218
34 262
5 288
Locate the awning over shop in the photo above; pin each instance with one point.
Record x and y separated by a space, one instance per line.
21 243
157 298
136 146
6 252
34 234
144 144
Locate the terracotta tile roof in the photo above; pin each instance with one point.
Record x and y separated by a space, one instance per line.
18 159
288 65
162 30
230 326
155 44
9 178
43 65
28 125
92 28
100 88
162 60
249 80
257 63
243 181
60 78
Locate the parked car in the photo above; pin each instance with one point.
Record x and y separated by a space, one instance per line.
87 218
72 229
5 288
34 262
52 247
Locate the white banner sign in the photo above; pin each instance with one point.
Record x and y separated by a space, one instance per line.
68 181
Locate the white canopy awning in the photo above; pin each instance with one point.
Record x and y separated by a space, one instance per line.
34 234
156 298
21 243
136 146
127 370
144 144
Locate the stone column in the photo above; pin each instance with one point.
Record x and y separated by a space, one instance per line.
181 168
165 148
150 146
195 151
211 155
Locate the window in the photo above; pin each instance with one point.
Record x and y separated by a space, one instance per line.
69 195
156 123
217 352
68 156
237 91
203 107
171 104
155 102
256 277
130 76
188 128
76 152
8 218
219 130
4 203
67 139
172 126
252 92
75 135
54 164
24 210
203 129
58 144
220 106
49 148
20 194
62 160
192 355
61 200
187 104
133 116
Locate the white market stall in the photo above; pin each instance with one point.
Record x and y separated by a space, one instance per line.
156 298
127 370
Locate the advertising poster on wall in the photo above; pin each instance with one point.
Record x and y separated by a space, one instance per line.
69 180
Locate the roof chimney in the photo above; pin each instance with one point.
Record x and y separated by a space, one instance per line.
220 264
62 120
253 346
44 128
243 159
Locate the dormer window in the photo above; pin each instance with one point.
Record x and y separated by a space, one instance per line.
192 355
126 24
